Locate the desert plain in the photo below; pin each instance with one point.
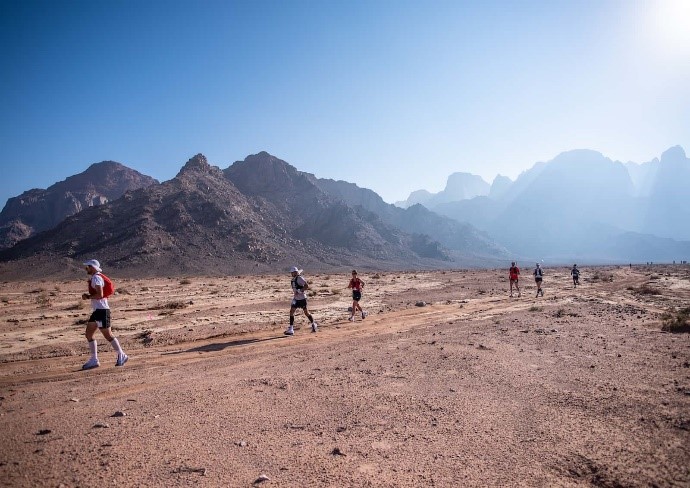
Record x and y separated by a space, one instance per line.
448 382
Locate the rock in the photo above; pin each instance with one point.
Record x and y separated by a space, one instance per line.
75 400
261 479
337 452
101 426
119 414
43 432
420 304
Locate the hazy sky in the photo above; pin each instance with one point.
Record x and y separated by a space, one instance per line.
392 95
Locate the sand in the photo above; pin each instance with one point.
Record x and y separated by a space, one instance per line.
580 387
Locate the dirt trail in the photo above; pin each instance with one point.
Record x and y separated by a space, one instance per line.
474 389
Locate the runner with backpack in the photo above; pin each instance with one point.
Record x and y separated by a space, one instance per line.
100 288
514 276
299 300
538 276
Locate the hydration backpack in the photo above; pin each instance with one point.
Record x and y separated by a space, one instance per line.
108 287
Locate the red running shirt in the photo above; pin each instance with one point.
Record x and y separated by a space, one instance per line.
356 284
514 272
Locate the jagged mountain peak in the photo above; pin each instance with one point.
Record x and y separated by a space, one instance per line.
196 163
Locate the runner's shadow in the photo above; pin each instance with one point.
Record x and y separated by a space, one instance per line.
224 345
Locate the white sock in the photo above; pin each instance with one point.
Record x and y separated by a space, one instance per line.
93 347
116 345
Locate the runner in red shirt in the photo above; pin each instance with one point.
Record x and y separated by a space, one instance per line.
357 285
514 274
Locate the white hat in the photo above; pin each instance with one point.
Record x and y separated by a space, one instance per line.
94 264
294 269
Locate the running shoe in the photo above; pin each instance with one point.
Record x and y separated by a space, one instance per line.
121 359
91 364
289 331
314 326
364 314
352 318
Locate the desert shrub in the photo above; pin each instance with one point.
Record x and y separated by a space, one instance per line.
145 288
559 313
77 305
4 300
323 285
43 300
38 290
312 293
335 291
185 281
534 308
676 320
172 305
647 290
123 291
376 277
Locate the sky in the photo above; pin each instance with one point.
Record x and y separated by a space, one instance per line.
394 95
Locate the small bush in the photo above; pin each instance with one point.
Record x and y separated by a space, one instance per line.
676 321
185 281
559 313
77 306
647 290
335 291
534 308
171 306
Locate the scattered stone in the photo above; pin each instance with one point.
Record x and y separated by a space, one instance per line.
341 429
101 426
337 452
43 432
261 479
75 400
420 304
119 414
241 443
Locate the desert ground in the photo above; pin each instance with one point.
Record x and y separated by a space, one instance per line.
448 382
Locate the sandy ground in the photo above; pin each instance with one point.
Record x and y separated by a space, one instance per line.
475 388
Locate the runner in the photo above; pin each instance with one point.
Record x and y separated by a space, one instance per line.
299 300
538 275
100 318
514 276
575 273
357 286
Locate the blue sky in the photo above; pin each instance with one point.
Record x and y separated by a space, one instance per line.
391 95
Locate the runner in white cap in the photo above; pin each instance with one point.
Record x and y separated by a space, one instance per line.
299 300
100 288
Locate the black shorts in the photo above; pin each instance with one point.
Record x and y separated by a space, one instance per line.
538 280
356 295
102 317
299 303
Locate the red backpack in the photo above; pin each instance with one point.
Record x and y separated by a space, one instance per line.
108 287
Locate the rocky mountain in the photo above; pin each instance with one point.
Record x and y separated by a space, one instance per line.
37 210
417 219
258 215
580 202
459 186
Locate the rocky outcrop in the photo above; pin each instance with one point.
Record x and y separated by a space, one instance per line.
37 210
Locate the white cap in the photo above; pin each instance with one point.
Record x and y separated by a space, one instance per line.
94 264
294 269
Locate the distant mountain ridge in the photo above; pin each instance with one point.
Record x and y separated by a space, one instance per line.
37 210
577 204
258 215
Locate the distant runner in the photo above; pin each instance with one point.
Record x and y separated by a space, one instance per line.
538 276
299 300
100 318
514 276
575 273
357 285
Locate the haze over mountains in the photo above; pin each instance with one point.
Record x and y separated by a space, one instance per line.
583 206
262 214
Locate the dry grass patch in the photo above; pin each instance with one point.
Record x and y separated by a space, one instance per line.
676 320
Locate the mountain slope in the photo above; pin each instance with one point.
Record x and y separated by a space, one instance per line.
37 210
